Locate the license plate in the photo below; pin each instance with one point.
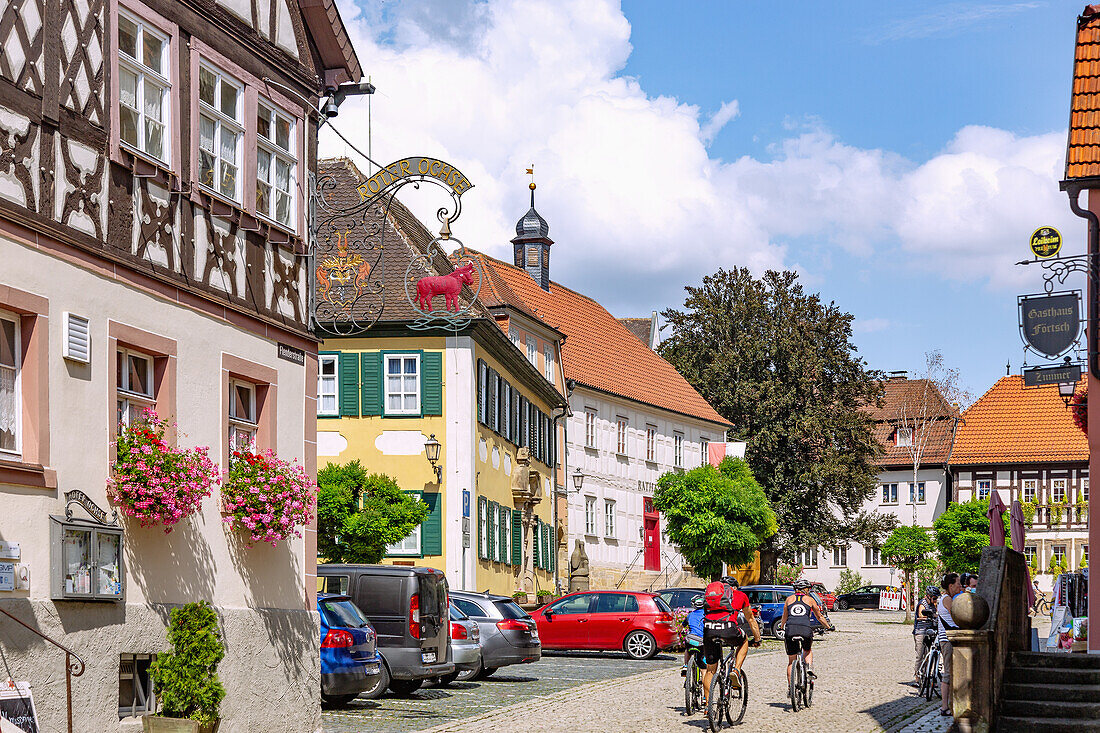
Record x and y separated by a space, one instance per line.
427 657
373 669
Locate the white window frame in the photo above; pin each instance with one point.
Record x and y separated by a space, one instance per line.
1029 489
17 397
143 74
334 360
1056 485
1084 556
622 435
1055 555
400 357
494 528
872 556
1030 552
704 449
412 545
287 155
242 424
125 398
590 428
533 351
483 528
609 518
889 493
840 556
506 531
985 485
678 450
918 492
548 363
590 515
221 121
809 557
1085 488
903 437
651 443
514 335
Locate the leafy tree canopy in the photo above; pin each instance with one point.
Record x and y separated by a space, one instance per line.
359 514
780 365
909 548
715 515
961 533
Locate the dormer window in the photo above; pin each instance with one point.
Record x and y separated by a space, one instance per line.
903 437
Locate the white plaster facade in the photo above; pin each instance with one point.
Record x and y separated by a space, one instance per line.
625 479
869 564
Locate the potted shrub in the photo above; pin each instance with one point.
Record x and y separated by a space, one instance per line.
519 596
266 496
186 678
154 482
544 596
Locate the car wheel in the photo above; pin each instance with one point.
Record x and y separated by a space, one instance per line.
381 682
337 701
485 672
640 645
469 674
842 605
404 688
777 630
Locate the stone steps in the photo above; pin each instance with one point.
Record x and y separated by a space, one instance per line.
1051 691
1046 725
1052 676
1051 660
1050 709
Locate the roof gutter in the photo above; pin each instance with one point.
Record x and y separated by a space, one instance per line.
1093 330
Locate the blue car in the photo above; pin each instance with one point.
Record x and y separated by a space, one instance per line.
350 663
769 601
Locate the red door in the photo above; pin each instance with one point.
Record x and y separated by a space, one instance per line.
652 535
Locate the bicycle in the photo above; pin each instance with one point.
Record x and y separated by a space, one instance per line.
1041 607
929 675
800 687
724 700
693 682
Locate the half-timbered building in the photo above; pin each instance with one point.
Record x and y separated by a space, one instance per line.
154 159
1023 444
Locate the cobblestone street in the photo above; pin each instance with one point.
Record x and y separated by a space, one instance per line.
862 669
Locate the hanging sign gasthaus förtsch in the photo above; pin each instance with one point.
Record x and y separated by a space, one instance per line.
1050 324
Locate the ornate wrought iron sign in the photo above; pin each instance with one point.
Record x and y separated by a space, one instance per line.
1050 324
422 287
1052 376
76 496
348 239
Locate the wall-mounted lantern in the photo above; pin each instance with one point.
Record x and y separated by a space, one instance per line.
431 450
578 479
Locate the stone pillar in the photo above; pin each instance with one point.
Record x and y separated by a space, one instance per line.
972 678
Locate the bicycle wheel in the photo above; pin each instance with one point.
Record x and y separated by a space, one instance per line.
689 686
807 690
714 702
738 700
933 662
1043 607
793 691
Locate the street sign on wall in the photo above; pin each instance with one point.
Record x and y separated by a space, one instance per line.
1050 324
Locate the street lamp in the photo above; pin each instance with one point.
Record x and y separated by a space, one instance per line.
1066 390
578 479
431 450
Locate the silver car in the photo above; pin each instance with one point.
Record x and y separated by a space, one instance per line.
508 633
465 647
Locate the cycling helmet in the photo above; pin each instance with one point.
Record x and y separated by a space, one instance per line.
933 590
801 584
698 602
729 580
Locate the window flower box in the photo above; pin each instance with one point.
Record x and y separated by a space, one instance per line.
266 496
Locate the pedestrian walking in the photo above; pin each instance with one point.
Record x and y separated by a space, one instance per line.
951 588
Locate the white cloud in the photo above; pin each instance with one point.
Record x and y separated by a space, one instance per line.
635 202
728 111
947 20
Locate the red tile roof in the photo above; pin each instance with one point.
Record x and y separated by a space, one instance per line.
909 399
1083 148
1010 424
599 351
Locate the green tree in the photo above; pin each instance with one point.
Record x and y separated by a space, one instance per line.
849 581
715 515
359 514
186 678
909 549
780 365
961 533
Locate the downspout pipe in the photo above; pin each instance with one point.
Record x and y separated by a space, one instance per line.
554 494
1093 330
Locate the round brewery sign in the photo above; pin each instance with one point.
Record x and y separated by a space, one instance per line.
1046 242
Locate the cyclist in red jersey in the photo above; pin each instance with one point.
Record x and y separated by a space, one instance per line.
724 601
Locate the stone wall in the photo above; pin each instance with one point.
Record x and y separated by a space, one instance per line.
608 577
271 671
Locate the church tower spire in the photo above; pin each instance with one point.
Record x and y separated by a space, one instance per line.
532 242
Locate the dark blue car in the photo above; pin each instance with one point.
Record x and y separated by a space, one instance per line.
350 663
769 600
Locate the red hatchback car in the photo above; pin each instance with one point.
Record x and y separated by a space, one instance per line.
638 623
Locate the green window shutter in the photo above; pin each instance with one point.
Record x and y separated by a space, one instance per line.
517 537
431 531
546 546
371 388
482 518
348 369
505 556
552 555
493 531
431 383
535 544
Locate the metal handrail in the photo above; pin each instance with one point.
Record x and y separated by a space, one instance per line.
72 668
628 567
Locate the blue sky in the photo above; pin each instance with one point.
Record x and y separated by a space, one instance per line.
897 156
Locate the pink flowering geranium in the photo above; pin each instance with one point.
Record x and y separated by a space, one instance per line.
154 482
266 496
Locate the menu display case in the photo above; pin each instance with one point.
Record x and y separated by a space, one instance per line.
85 561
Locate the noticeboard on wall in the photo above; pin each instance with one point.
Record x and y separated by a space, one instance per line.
85 561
